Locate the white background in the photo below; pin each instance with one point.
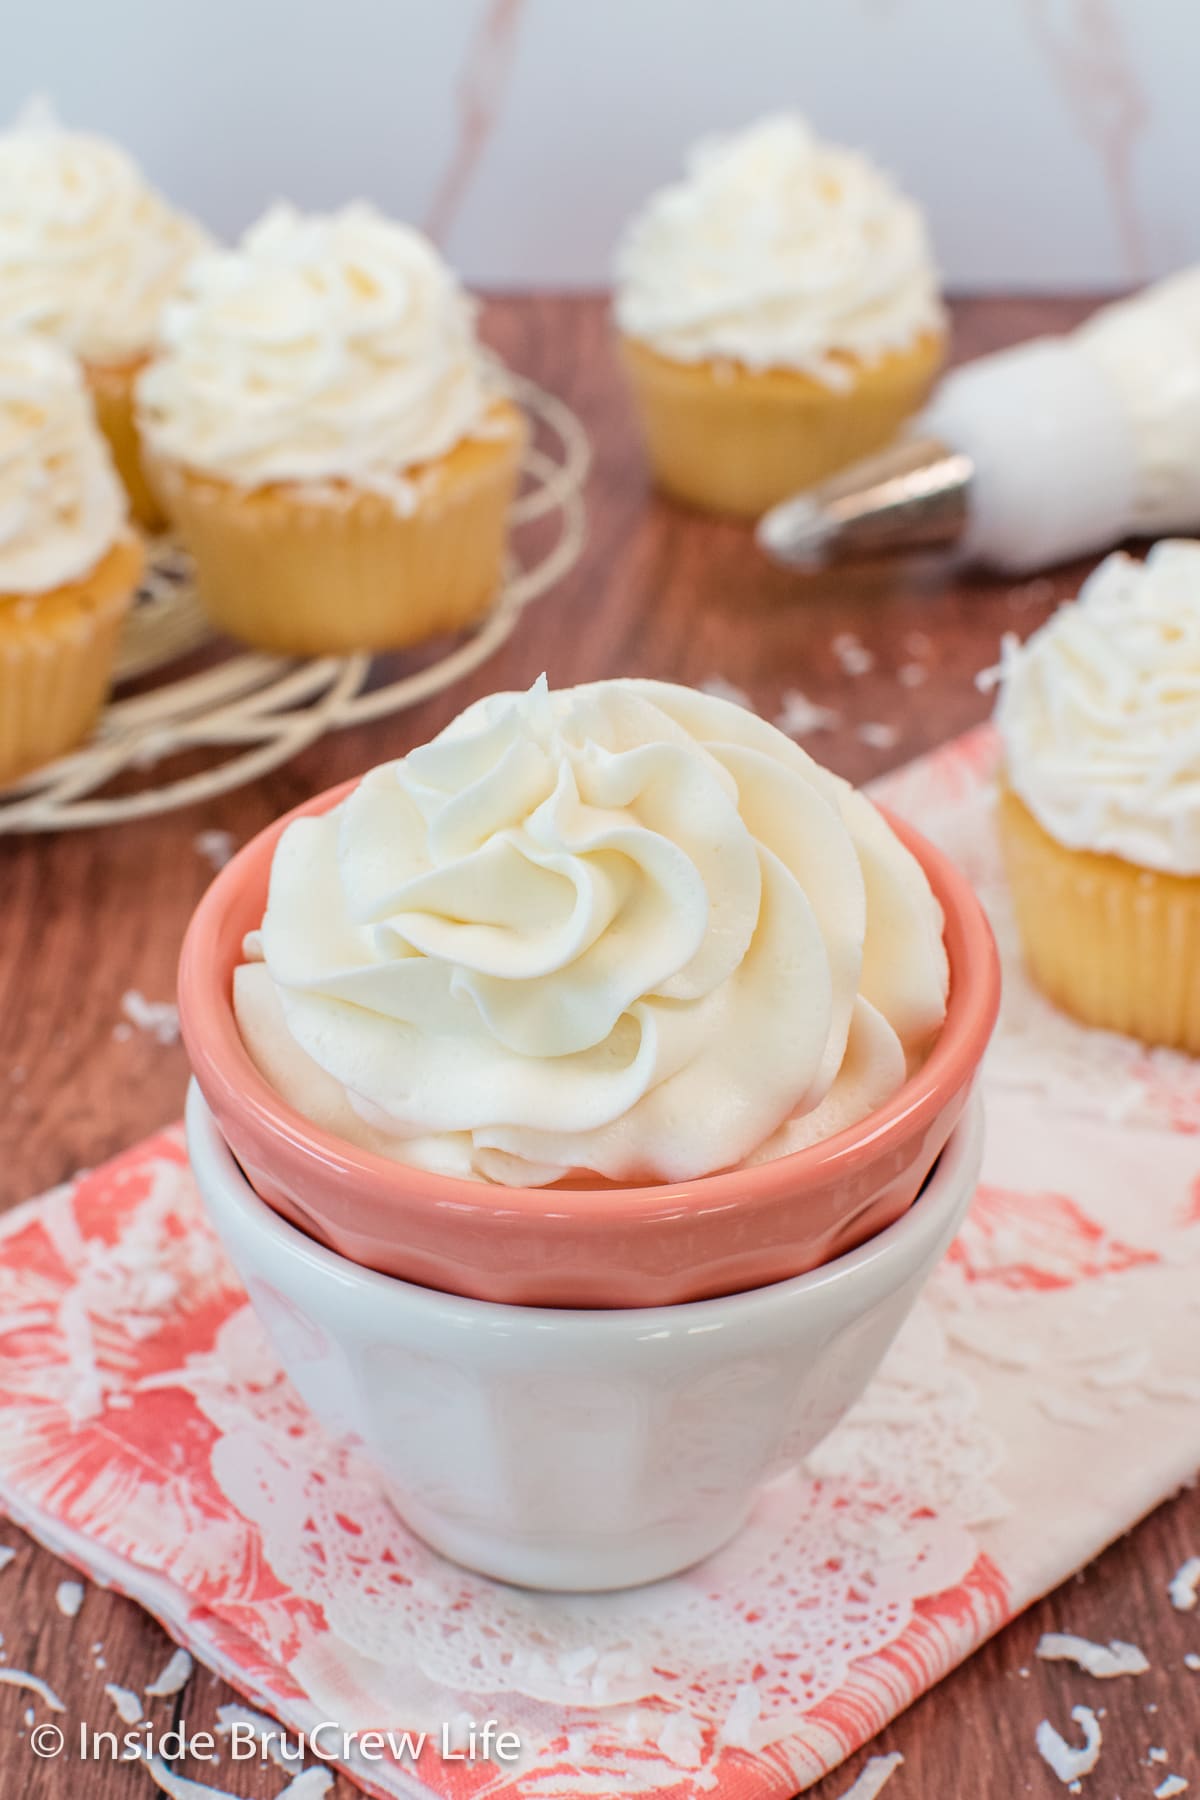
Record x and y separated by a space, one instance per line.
1055 143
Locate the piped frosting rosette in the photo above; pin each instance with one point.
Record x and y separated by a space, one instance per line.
1099 713
778 251
624 932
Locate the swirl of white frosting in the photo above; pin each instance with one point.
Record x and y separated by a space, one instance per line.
624 931
778 251
62 507
333 348
89 253
1099 712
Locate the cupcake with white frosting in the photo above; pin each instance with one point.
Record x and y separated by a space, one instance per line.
625 932
89 255
1099 716
323 426
69 563
779 316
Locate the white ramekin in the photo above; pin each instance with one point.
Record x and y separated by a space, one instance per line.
577 1450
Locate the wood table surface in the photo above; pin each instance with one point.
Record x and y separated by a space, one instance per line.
658 592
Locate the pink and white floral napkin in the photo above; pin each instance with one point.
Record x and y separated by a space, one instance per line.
1042 1399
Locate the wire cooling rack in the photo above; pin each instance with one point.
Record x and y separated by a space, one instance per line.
247 713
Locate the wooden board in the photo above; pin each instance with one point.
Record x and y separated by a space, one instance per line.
659 592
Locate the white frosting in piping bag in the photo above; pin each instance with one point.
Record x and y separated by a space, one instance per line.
1079 441
334 348
1149 349
778 251
1100 713
625 931
89 253
61 505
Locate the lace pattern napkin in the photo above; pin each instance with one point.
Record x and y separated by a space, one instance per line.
147 1433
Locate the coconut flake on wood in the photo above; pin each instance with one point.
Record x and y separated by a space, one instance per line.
799 716
870 1782
1102 1660
178 1787
853 657
216 847
718 688
126 1702
266 1730
159 1017
174 1676
21 1678
310 1784
68 1597
1184 1585
1069 1761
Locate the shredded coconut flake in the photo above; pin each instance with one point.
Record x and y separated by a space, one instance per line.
1065 1409
310 1784
159 1017
178 1787
877 735
1184 1585
870 1782
852 654
720 689
1067 1761
21 1678
7 1554
68 1597
1192 1661
1167 1790
1156 1753
800 717
912 675
1103 1661
216 847
127 1703
175 1676
265 1730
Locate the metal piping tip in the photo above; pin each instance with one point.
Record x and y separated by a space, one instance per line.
913 495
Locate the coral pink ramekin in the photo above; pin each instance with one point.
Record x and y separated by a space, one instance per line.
602 1247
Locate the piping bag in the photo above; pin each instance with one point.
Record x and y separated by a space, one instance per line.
1031 456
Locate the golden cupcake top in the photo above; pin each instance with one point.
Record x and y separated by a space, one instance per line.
1099 712
89 251
62 507
324 349
778 251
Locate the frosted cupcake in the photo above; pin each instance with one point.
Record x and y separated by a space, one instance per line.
1099 715
89 253
325 430
626 932
68 562
779 316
